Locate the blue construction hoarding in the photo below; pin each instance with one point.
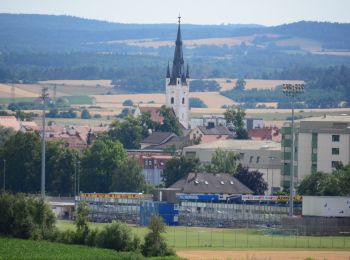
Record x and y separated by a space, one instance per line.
168 211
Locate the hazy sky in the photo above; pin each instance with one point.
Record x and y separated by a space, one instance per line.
267 12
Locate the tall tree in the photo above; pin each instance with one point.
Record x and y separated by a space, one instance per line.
178 167
236 117
99 163
240 84
224 162
128 132
61 165
23 156
170 122
127 177
252 179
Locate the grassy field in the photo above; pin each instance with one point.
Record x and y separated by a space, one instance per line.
213 238
11 248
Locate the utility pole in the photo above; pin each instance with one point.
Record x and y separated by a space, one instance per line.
4 176
292 90
78 178
43 98
13 93
75 176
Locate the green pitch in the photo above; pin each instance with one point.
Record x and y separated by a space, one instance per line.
217 238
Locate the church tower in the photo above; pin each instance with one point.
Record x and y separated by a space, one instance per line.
177 84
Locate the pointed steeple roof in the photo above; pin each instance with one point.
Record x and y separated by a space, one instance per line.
168 71
178 69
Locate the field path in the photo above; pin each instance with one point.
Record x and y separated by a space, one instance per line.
264 255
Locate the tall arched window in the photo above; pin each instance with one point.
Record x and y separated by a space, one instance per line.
183 100
172 100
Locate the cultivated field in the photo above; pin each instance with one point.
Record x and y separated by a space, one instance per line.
228 84
77 83
274 114
305 44
211 99
136 98
230 41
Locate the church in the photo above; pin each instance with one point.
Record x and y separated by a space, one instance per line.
177 83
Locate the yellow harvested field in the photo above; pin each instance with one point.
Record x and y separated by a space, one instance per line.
136 98
212 99
5 91
228 84
230 41
90 83
306 44
271 111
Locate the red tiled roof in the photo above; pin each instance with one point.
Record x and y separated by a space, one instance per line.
266 133
154 112
10 122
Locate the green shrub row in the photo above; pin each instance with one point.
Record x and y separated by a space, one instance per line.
25 217
29 217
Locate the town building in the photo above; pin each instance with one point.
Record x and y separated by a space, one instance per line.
321 144
208 183
17 125
177 83
210 134
264 156
265 133
154 112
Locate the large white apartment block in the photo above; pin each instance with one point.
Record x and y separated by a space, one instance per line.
321 144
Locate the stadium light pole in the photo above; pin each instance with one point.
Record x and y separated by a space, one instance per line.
43 97
292 90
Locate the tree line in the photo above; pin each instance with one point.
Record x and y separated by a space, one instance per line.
324 88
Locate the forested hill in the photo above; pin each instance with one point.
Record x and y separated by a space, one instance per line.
32 32
60 33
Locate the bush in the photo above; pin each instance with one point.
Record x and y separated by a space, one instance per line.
128 103
25 217
155 244
85 114
117 236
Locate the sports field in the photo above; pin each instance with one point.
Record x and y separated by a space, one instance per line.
224 239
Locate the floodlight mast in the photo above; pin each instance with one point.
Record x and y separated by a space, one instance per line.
43 97
292 90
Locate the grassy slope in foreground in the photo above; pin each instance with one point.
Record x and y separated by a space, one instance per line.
11 248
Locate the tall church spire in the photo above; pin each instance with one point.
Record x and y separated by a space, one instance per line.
168 71
178 69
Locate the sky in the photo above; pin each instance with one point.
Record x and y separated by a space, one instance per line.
265 12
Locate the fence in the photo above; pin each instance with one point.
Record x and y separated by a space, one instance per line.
230 215
263 237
